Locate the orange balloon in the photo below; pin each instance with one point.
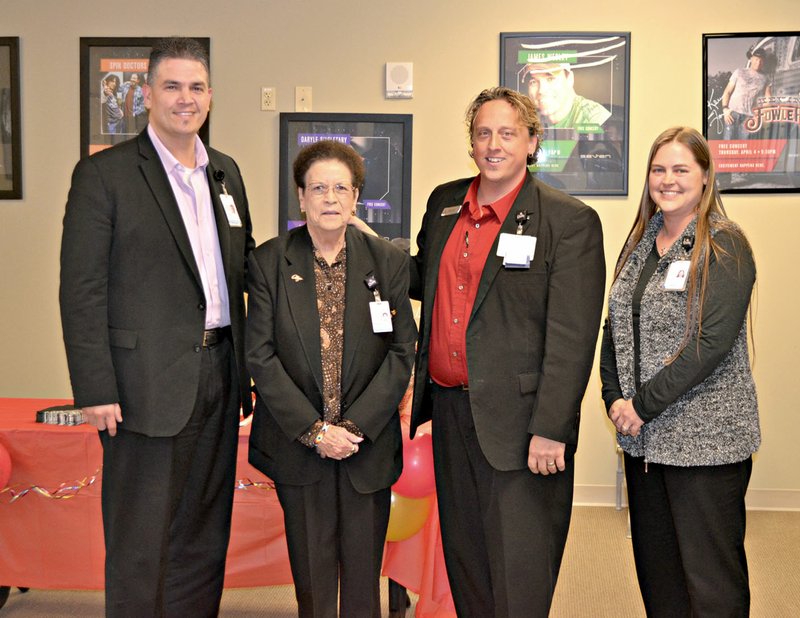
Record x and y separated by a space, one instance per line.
407 516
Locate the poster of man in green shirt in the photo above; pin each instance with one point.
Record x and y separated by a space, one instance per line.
552 88
579 83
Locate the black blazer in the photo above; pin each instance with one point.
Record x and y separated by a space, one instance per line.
283 355
132 304
532 332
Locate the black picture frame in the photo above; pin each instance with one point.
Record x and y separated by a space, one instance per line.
10 120
383 140
756 76
584 113
104 60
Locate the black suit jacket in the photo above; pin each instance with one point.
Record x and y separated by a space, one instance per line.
532 332
283 355
132 303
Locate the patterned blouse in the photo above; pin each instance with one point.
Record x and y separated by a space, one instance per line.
330 286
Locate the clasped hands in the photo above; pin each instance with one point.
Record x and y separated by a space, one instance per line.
338 443
625 418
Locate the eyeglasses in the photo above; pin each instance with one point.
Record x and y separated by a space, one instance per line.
319 189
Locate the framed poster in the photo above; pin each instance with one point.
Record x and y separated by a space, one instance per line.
10 123
751 110
579 82
113 71
384 142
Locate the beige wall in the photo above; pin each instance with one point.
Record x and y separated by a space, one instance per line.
339 49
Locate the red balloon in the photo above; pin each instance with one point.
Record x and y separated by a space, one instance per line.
417 480
5 466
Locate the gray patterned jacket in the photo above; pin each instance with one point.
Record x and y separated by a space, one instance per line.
714 422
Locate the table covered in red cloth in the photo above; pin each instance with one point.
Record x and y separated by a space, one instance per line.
51 533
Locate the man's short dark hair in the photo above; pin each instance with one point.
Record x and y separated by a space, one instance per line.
176 47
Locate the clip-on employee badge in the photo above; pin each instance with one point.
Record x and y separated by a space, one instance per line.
675 281
228 204
517 249
379 309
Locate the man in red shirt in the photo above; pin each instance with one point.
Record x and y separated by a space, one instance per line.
511 275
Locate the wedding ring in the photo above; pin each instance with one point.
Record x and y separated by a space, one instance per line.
551 463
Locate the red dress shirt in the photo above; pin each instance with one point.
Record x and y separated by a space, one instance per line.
463 259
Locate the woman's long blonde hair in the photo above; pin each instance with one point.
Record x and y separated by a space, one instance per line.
710 215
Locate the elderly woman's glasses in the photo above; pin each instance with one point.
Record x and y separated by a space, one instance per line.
319 189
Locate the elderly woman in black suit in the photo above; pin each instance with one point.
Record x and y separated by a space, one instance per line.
330 343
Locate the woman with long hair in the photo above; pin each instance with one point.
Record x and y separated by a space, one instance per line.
678 386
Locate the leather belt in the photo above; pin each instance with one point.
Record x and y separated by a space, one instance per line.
215 335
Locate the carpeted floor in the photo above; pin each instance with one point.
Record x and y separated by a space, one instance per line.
597 576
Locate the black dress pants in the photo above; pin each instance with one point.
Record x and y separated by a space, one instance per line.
688 526
503 532
335 537
167 504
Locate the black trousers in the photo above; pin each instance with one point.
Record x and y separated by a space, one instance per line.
335 537
688 527
503 532
167 504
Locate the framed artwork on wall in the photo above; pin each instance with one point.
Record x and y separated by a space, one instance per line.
113 71
10 122
382 140
751 110
579 83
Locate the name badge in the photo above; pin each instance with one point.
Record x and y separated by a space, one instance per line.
676 276
450 210
516 250
230 210
381 316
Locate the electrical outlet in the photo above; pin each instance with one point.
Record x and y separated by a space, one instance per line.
268 99
302 99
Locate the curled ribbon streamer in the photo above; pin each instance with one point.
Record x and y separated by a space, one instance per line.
247 484
65 491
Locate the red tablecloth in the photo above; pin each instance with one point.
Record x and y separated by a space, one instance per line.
51 542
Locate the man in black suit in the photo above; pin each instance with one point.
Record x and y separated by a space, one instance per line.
511 276
156 237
